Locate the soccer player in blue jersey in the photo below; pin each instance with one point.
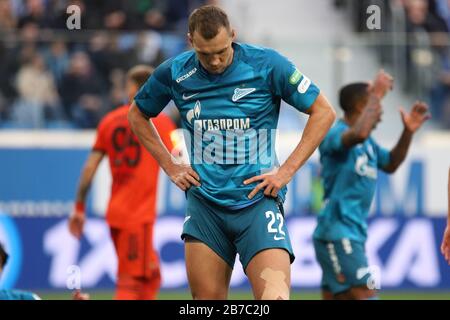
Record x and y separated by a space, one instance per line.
350 158
229 95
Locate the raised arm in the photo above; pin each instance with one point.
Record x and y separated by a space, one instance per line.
371 114
411 122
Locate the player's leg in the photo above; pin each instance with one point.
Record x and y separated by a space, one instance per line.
264 248
269 273
125 287
138 276
345 268
325 264
209 253
208 274
327 295
149 264
362 277
358 293
150 286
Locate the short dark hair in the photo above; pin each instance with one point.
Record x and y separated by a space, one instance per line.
207 20
352 94
139 74
3 256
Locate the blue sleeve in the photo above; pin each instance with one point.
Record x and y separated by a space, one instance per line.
333 140
156 92
290 84
383 156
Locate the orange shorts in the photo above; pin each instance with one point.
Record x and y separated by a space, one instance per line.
135 252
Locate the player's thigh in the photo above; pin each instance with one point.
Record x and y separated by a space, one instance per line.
208 274
206 223
135 253
264 248
269 274
258 228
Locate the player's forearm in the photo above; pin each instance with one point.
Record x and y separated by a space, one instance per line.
363 127
399 152
320 121
87 175
83 188
149 137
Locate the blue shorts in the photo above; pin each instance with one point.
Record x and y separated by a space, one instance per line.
245 231
344 265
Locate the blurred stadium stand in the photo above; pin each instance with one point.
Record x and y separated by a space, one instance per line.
53 77
330 42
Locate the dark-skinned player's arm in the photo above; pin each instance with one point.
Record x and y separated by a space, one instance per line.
321 118
412 121
445 246
77 218
180 174
371 114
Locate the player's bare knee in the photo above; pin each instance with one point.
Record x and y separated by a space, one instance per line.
275 285
209 293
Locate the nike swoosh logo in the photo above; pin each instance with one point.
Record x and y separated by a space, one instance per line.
185 97
186 219
361 273
278 238
240 93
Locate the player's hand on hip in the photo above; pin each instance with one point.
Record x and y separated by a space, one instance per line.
76 223
271 182
381 85
445 246
183 176
419 115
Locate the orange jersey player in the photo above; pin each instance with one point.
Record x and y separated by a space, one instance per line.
131 210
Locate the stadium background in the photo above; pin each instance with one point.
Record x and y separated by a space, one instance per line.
55 84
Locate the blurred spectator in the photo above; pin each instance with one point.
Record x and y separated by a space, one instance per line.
36 13
57 58
82 92
172 15
38 97
420 18
441 8
427 52
7 19
85 67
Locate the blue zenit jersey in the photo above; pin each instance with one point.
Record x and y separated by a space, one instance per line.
349 177
230 118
